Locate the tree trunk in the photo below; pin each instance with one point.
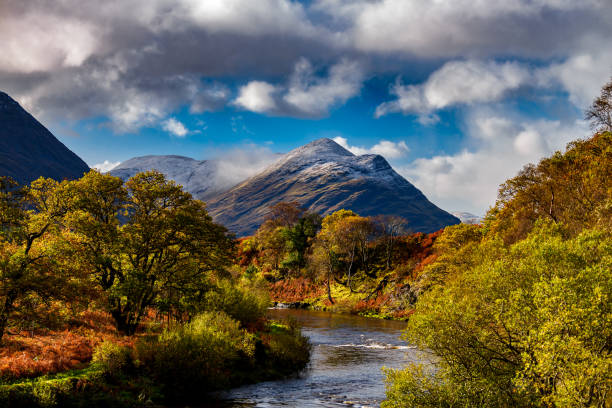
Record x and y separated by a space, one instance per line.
7 308
329 296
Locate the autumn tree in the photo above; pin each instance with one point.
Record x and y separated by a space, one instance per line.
144 241
572 188
31 245
286 235
325 257
285 214
389 228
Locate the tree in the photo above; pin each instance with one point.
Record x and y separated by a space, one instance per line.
144 241
600 112
389 227
30 231
570 188
285 214
299 238
326 247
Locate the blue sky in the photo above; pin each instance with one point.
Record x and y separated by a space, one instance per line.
457 95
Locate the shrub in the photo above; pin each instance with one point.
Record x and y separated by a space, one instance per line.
287 350
197 357
528 325
246 303
112 359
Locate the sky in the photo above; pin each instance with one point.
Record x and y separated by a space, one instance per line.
458 95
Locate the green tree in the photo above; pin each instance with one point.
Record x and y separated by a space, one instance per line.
30 245
145 243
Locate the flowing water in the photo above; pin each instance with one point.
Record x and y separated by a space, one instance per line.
345 368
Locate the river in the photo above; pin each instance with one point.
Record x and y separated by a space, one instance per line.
345 367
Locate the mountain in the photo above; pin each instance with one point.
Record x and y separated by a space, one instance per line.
325 177
468 218
199 177
28 150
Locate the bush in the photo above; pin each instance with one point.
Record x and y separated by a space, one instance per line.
112 359
287 349
198 357
246 303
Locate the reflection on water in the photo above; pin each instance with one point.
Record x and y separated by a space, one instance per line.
345 368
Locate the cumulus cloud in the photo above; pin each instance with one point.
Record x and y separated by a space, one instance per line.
469 179
315 95
385 148
456 82
306 95
257 96
136 61
581 75
105 166
174 127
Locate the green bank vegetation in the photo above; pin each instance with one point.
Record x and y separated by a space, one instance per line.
518 311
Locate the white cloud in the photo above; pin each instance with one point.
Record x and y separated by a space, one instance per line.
306 94
248 17
240 163
456 82
582 75
105 166
314 96
469 179
175 127
385 148
256 96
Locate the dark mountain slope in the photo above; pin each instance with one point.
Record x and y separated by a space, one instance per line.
28 150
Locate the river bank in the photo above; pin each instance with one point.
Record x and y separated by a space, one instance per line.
393 301
171 370
348 353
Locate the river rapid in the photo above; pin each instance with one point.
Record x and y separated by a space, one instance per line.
345 367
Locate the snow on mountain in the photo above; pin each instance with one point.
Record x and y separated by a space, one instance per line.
322 176
468 218
325 177
199 177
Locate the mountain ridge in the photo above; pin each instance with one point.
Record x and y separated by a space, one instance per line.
321 175
28 150
324 177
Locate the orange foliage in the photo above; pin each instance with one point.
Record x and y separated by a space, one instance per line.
372 305
246 251
295 290
39 352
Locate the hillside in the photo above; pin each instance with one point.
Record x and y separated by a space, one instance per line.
28 150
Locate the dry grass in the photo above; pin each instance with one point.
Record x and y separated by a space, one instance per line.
295 290
42 351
